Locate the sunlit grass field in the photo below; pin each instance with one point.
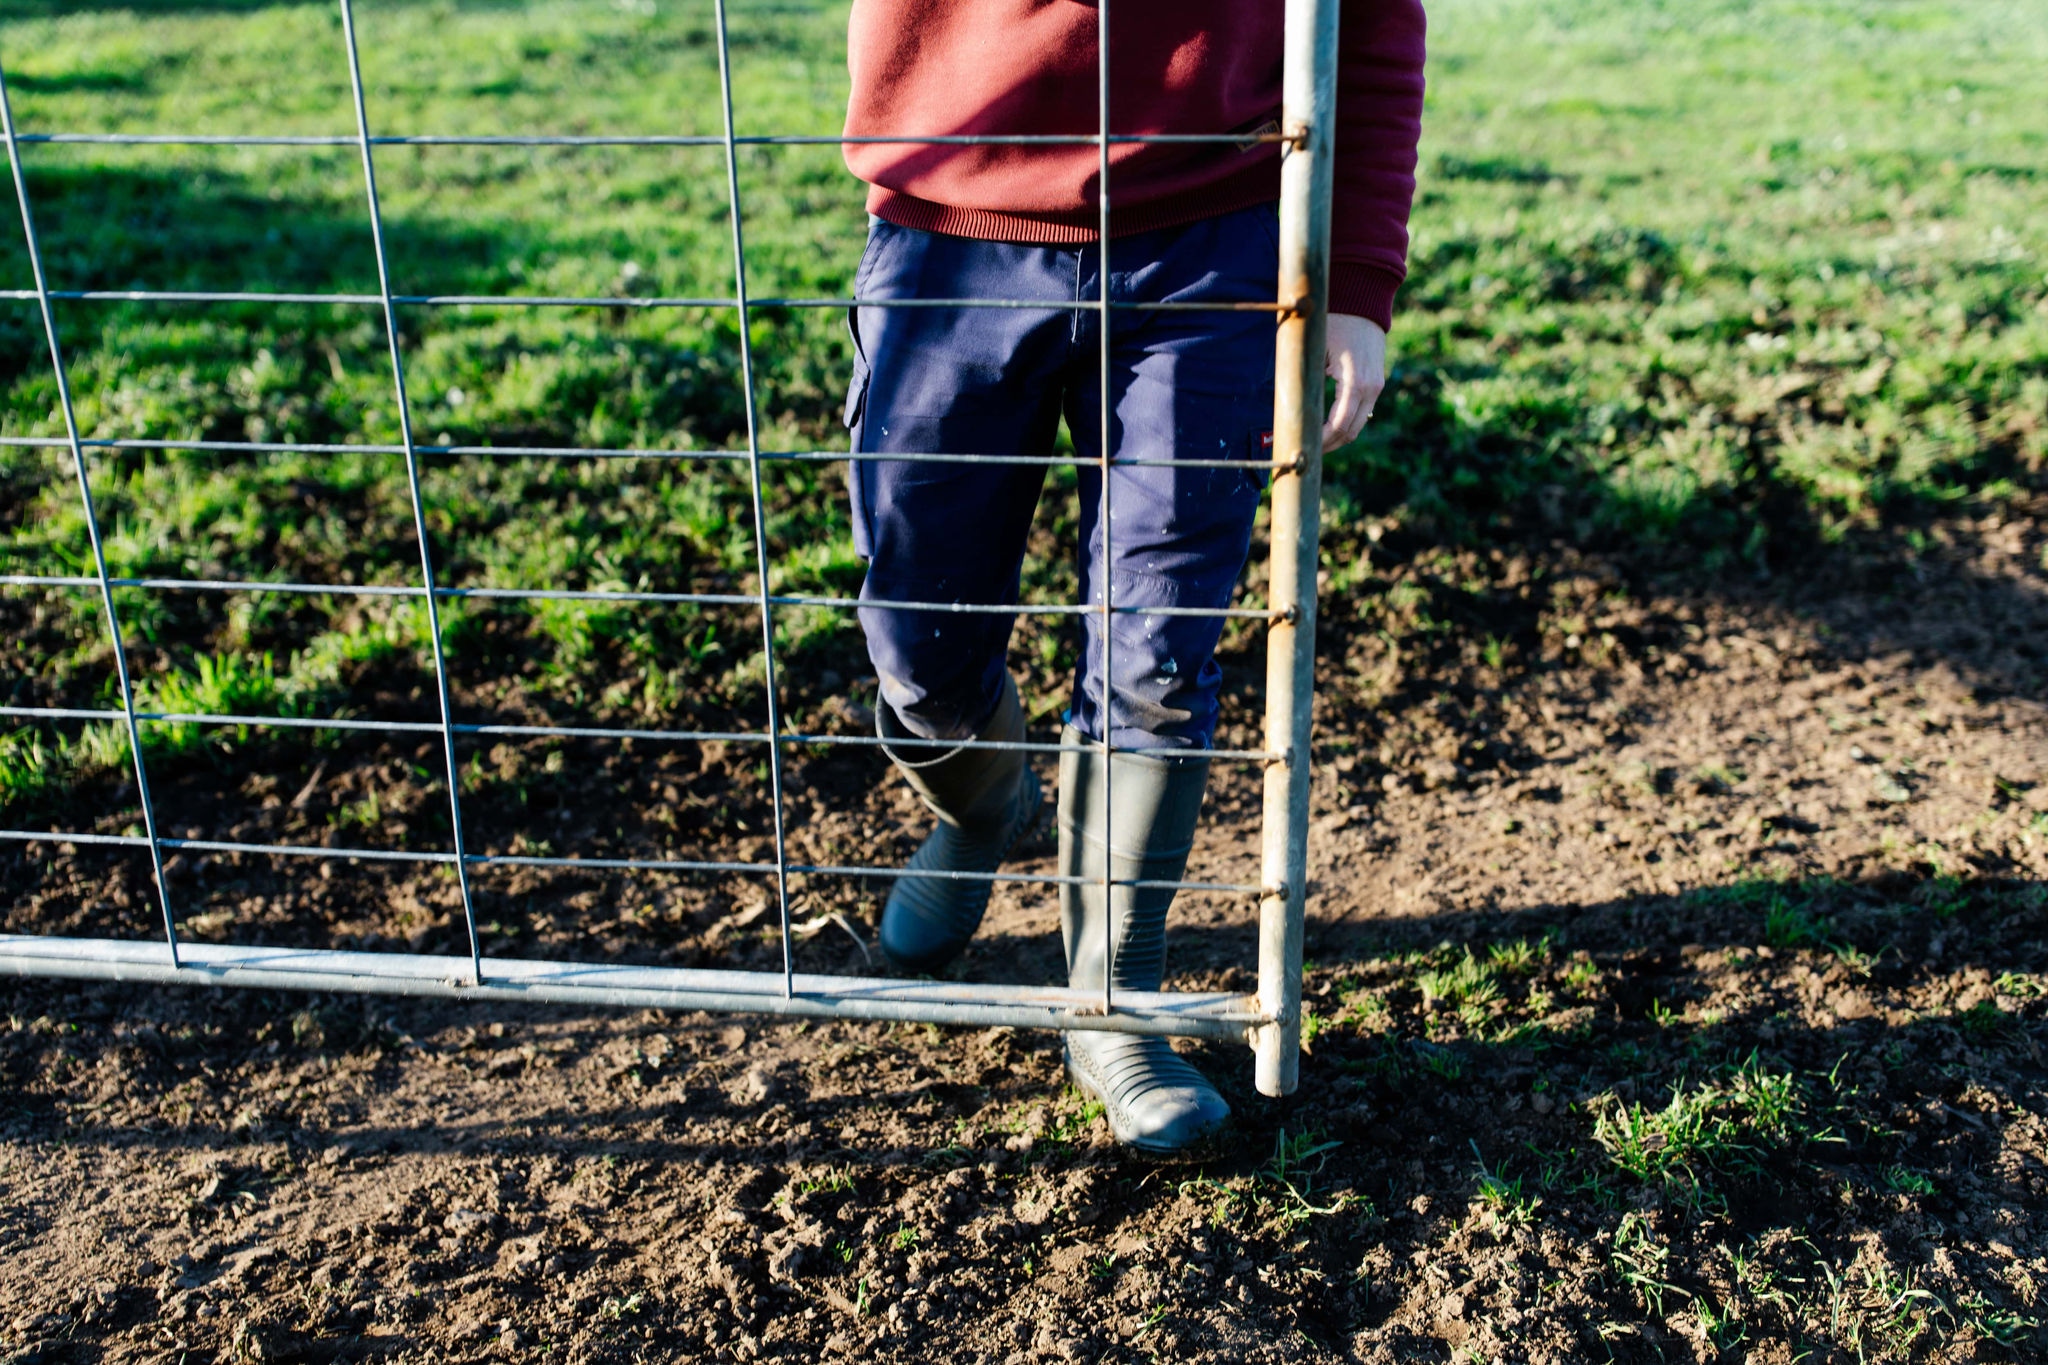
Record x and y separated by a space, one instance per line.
1708 283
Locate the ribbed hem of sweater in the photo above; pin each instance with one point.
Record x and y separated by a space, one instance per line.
1364 291
1069 229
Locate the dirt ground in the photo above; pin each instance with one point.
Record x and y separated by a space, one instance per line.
1677 959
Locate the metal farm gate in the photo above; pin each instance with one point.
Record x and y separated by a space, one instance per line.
1268 1020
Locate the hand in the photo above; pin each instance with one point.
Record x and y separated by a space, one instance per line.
1355 355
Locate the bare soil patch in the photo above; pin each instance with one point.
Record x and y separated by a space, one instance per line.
1677 966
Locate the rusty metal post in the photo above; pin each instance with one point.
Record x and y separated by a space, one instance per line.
1308 106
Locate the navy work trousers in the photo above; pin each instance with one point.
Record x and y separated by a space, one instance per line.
996 381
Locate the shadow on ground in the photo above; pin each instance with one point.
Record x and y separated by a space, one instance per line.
1782 1130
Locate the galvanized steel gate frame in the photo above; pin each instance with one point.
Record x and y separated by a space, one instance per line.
1268 1020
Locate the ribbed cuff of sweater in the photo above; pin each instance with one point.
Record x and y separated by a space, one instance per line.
1364 291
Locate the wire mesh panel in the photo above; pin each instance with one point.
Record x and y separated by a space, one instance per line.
1268 1019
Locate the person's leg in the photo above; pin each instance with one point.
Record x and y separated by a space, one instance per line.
956 382
1184 387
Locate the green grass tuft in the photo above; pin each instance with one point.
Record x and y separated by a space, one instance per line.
1723 1125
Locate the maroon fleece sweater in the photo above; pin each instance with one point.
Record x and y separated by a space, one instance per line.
1176 66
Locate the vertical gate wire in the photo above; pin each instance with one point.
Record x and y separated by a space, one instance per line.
92 524
1108 558
739 270
419 509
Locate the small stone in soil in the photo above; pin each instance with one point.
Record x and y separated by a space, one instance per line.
462 1221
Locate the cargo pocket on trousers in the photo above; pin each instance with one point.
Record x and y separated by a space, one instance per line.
856 469
857 387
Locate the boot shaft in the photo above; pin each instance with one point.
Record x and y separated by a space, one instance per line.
974 790
1141 828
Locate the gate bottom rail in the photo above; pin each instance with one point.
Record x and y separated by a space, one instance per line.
1230 1017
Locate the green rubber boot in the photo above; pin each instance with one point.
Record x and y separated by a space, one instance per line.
1154 1101
985 800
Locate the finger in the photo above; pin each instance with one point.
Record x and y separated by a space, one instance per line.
1368 399
1345 417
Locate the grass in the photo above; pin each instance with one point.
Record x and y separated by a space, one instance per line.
1713 281
1675 265
1641 1260
628 222
1905 1180
1283 1194
1725 1124
1466 982
1867 1307
1789 916
1519 957
1466 995
833 1181
1501 1198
